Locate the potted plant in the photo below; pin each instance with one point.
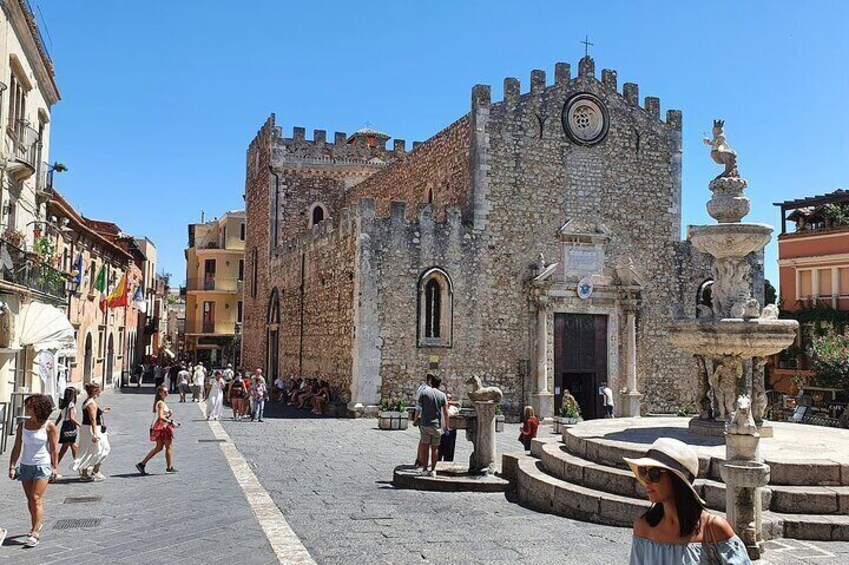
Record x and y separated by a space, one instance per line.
569 416
499 419
393 415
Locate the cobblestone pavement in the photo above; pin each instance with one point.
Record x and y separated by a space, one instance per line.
331 480
184 518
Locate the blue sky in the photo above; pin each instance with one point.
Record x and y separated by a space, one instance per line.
160 99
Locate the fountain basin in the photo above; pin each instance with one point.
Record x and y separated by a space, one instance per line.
729 240
745 474
757 337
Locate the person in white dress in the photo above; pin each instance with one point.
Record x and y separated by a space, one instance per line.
215 400
92 439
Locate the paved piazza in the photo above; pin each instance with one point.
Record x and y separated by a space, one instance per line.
330 480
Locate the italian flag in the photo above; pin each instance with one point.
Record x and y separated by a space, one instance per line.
117 297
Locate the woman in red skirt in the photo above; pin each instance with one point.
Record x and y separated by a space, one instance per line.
162 432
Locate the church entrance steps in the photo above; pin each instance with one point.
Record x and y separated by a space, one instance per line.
606 442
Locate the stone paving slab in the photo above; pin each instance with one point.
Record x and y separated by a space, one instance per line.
331 479
161 518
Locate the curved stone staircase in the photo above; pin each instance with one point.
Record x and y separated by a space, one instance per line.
586 479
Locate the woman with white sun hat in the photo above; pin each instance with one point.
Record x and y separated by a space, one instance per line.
677 528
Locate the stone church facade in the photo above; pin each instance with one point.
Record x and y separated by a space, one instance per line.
534 242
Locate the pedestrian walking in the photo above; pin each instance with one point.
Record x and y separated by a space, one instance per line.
228 373
183 378
34 458
605 391
215 400
69 427
259 391
237 396
161 432
207 383
529 428
433 422
198 378
158 377
172 377
677 528
92 438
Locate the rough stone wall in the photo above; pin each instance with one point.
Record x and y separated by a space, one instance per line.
400 251
314 171
314 275
258 186
435 171
538 179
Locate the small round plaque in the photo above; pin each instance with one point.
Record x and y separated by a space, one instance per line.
585 288
585 119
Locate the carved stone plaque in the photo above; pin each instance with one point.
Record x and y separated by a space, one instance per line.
582 260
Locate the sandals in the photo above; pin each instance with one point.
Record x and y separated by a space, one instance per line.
3 533
32 539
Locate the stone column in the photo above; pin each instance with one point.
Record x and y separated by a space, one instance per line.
745 476
543 398
482 459
631 398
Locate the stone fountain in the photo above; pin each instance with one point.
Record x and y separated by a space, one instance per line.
734 334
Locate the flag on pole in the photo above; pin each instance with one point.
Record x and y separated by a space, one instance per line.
117 297
139 301
78 268
100 282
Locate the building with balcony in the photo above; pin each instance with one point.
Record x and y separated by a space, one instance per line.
33 322
104 339
813 263
215 266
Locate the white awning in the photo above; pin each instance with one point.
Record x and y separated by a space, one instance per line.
42 326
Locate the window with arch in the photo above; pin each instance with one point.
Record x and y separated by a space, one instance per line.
436 309
704 299
318 214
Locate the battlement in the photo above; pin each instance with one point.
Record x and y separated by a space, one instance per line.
360 149
332 230
513 95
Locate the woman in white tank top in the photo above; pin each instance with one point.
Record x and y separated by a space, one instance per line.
35 454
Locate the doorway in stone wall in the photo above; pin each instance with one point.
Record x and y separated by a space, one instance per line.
580 360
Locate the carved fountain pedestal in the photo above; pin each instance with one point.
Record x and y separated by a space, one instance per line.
730 336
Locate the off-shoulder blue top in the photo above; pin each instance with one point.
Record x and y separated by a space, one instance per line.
648 552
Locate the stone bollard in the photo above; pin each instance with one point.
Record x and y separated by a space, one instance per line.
482 459
744 474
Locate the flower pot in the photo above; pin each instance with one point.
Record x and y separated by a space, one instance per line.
392 420
564 421
499 422
555 425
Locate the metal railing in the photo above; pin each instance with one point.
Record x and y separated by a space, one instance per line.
21 268
209 283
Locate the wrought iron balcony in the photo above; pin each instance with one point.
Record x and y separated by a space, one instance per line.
27 270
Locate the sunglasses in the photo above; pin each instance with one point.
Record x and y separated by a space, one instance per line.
650 474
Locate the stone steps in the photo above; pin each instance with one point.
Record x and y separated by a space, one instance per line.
785 499
538 490
820 472
537 487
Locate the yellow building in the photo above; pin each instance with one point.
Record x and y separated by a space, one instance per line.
215 266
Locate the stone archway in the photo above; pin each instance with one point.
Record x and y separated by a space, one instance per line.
272 345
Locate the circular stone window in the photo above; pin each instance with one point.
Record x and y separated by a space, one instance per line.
585 119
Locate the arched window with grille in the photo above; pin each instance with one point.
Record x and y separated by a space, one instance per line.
436 311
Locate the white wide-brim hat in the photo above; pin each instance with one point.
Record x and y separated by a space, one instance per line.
673 455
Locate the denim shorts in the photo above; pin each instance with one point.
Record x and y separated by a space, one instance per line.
35 472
